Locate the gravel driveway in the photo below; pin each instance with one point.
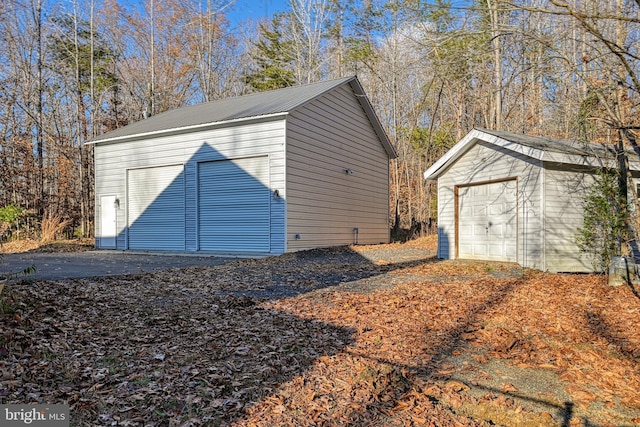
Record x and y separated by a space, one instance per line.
82 263
72 265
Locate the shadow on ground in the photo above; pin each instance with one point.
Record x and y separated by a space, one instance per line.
222 345
86 264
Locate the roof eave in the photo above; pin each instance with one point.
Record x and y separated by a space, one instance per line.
436 169
587 161
185 129
476 135
362 98
373 118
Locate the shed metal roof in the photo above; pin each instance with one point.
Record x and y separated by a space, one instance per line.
273 103
543 143
537 147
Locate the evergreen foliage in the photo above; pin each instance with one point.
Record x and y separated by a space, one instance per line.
64 49
273 59
606 219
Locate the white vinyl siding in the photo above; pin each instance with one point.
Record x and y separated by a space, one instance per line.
565 191
485 162
554 177
259 138
233 205
325 204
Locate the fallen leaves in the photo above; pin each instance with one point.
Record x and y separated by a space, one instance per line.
29 245
349 340
157 361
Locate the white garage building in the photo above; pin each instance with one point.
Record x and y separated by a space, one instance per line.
267 173
518 198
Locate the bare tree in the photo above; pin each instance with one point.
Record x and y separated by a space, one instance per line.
308 20
214 51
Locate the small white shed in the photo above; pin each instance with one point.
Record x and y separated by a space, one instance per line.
267 173
512 197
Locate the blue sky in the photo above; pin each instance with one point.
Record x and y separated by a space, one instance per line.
239 11
255 9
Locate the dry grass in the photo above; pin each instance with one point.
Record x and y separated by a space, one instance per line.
30 245
51 227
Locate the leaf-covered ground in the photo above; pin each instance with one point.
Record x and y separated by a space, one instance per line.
30 245
380 335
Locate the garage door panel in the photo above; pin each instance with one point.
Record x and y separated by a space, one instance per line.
496 210
479 211
495 251
221 201
478 231
479 249
156 208
487 221
249 234
165 243
479 191
247 220
234 205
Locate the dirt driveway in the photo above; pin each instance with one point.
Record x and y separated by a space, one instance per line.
75 265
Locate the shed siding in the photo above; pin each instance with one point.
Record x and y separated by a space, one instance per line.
112 160
565 190
487 162
325 204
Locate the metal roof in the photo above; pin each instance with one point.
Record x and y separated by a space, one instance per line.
564 146
537 147
263 104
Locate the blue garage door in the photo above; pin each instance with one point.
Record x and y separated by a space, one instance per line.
234 205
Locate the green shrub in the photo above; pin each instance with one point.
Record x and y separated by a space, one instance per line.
11 217
605 220
11 213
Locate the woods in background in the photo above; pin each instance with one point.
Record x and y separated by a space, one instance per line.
433 70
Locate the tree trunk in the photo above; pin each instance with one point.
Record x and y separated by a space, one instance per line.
496 45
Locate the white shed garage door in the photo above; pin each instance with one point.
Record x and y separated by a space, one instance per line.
487 221
156 208
234 205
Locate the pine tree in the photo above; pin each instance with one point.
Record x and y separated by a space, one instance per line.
273 59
